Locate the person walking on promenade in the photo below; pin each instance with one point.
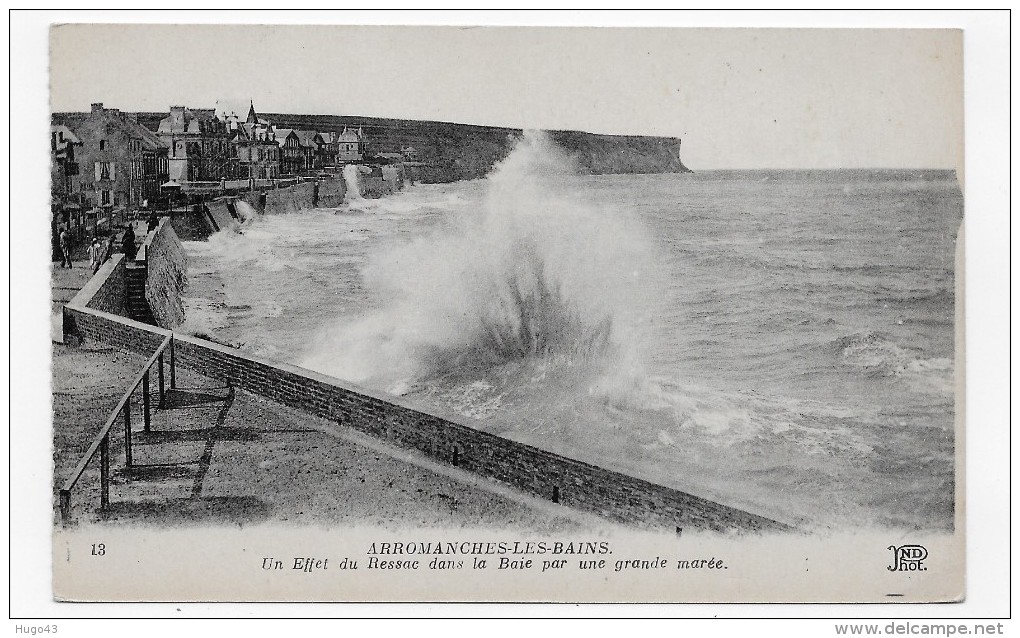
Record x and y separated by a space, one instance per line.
65 247
153 222
95 254
128 242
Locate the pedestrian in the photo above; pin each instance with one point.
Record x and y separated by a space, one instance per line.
65 247
128 242
95 254
153 222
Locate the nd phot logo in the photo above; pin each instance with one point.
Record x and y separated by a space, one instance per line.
908 558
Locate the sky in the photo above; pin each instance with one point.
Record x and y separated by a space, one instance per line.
738 98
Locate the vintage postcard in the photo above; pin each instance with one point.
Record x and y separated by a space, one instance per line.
506 314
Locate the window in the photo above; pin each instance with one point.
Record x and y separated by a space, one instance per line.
102 145
106 198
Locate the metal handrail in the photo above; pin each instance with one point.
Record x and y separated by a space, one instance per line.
101 443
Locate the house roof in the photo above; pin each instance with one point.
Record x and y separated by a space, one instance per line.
69 136
184 120
283 133
307 138
150 141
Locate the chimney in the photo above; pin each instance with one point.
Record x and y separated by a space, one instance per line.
97 107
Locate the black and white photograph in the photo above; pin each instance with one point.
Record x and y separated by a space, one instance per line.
417 313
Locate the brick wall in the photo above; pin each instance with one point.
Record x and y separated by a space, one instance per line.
573 483
105 291
121 332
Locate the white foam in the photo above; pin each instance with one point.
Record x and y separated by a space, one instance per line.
202 316
352 178
530 273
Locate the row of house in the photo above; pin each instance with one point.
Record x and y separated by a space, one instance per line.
206 147
106 159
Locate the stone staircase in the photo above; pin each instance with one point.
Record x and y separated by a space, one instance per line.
135 305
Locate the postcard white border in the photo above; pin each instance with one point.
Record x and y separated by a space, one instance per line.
986 46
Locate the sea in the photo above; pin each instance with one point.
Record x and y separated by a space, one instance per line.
781 341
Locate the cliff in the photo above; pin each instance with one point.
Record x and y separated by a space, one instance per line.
612 154
454 152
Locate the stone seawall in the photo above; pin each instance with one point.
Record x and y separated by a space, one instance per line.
219 212
323 193
332 193
166 275
383 181
292 199
327 192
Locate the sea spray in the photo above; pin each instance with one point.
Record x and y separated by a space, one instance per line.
352 179
245 213
532 279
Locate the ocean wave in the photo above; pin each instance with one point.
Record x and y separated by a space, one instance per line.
203 317
388 204
941 298
876 354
